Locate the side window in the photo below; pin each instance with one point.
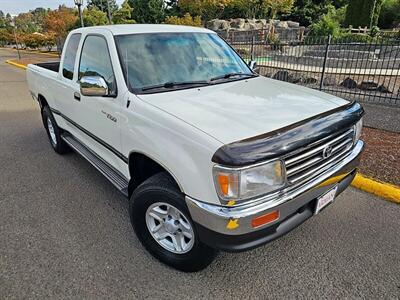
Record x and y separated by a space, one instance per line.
70 55
96 61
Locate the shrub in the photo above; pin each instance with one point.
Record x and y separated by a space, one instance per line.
354 38
329 24
361 12
187 20
390 14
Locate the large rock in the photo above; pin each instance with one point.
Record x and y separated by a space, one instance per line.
368 86
310 80
349 83
217 24
292 24
237 23
286 76
330 81
384 89
282 24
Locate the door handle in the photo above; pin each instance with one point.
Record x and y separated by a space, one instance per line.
77 96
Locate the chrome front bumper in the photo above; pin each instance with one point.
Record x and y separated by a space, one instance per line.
211 218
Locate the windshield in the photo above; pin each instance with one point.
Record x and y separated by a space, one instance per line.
154 59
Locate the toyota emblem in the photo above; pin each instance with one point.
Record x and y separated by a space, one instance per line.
327 152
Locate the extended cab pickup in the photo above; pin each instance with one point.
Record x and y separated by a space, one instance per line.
211 155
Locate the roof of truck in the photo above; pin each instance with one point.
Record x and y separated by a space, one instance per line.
145 28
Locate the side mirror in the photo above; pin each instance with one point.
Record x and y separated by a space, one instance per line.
253 64
93 86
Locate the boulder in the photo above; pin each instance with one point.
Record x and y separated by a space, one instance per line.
281 75
282 24
384 89
286 76
217 24
237 23
310 80
330 81
368 86
349 83
292 24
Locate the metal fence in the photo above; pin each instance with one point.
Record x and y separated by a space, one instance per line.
356 67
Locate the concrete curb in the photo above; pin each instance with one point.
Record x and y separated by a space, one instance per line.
37 52
16 64
381 189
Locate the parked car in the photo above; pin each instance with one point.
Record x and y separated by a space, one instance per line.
211 155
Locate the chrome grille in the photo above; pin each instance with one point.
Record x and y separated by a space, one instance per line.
307 163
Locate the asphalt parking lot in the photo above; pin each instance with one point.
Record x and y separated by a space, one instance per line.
65 233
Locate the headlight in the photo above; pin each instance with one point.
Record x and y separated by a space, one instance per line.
246 183
357 131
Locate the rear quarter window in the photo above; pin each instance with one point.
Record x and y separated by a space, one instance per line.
70 56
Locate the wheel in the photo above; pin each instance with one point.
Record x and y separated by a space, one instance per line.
162 223
53 132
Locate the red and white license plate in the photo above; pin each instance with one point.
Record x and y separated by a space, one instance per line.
326 199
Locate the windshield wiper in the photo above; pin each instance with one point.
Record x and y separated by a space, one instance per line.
229 75
171 84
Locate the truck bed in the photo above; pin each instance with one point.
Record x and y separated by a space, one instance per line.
52 66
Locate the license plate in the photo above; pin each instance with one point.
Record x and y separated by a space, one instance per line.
325 200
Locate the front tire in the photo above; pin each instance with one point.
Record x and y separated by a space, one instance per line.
162 223
53 132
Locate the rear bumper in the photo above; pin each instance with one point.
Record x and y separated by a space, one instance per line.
294 207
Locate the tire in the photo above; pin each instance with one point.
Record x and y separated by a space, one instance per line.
160 192
53 132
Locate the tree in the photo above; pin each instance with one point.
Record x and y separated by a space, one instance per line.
329 24
208 9
390 14
5 36
102 5
363 13
187 20
257 8
148 11
58 22
93 17
26 23
124 14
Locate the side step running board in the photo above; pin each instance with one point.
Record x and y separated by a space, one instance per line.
114 176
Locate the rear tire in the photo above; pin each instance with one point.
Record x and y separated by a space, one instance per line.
157 205
54 132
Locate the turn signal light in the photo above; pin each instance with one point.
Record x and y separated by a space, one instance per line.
265 219
223 181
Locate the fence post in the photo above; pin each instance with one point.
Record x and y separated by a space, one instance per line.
252 47
325 59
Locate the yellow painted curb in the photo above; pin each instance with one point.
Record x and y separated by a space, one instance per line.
381 189
16 64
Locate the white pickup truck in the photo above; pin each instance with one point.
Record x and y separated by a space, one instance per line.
211 155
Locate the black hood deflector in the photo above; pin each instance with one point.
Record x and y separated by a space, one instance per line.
282 141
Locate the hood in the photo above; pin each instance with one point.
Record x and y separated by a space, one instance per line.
242 109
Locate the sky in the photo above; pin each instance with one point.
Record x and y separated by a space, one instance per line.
15 7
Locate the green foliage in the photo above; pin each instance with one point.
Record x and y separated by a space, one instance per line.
5 36
187 20
307 12
148 11
354 38
26 23
213 9
329 24
102 5
363 13
207 9
390 14
123 15
93 17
